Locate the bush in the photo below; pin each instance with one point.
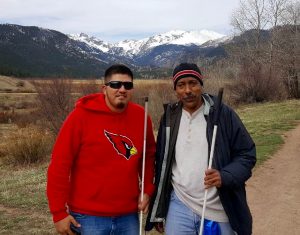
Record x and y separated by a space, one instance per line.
20 84
88 87
8 90
55 101
255 85
24 119
27 145
6 116
22 105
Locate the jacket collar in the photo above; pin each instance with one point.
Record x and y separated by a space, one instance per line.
208 103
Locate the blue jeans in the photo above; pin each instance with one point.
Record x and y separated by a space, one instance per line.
181 220
98 225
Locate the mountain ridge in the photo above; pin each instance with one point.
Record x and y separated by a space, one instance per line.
133 47
31 51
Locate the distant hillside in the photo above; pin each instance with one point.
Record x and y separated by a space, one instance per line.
9 84
36 52
29 51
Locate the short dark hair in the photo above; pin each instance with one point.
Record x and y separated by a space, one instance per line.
117 69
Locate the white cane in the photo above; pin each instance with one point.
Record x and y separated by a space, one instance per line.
211 155
143 164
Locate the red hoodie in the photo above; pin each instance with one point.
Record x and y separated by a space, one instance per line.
96 160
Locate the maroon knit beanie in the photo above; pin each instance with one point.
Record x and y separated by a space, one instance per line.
187 70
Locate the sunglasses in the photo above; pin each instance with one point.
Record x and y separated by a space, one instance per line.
119 84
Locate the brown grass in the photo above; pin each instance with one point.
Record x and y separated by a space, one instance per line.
26 146
10 84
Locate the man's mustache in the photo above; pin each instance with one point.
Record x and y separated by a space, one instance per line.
187 97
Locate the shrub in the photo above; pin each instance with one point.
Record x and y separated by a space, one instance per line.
88 87
8 90
55 101
255 85
24 119
22 105
27 145
20 84
6 116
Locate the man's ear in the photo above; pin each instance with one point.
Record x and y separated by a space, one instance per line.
104 89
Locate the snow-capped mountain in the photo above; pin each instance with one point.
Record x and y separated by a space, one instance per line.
38 52
180 37
135 47
91 41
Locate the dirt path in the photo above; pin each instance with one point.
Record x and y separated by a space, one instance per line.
274 190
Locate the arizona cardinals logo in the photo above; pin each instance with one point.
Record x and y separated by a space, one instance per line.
122 144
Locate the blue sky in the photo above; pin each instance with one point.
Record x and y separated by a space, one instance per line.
113 20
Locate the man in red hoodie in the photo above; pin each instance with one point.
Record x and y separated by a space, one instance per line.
93 178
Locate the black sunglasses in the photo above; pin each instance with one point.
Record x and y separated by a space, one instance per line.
119 84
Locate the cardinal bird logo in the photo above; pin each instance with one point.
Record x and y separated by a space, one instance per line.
122 144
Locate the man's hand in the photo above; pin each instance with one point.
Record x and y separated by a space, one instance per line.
63 226
212 178
144 205
159 226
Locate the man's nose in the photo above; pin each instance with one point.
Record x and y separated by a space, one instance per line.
122 88
187 89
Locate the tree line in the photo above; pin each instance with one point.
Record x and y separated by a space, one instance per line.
267 62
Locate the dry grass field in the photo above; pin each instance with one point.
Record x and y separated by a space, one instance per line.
14 92
9 84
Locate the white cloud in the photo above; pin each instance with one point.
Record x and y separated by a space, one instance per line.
126 17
